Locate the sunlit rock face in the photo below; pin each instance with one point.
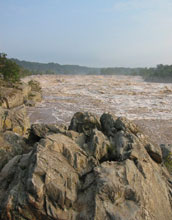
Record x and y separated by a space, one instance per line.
92 169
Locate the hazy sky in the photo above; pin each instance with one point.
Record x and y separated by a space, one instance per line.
88 32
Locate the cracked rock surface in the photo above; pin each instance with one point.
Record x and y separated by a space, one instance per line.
94 170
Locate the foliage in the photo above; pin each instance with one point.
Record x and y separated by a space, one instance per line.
9 69
120 71
160 72
168 162
55 68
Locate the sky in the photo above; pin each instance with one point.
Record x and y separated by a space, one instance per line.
96 33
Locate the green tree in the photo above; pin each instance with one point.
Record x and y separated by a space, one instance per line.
9 69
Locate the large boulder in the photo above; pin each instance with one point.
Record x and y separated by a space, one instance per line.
86 174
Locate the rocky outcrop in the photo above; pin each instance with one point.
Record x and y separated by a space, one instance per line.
13 98
166 150
15 95
12 144
96 169
35 85
35 94
84 122
15 120
20 93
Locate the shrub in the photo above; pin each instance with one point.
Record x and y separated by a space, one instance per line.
168 162
9 69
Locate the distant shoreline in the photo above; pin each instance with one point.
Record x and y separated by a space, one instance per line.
158 79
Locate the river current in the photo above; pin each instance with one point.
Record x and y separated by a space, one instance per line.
147 104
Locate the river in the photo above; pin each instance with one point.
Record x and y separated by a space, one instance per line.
147 104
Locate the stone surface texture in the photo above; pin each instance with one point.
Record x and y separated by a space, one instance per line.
96 169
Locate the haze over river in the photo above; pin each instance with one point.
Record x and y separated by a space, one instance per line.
147 104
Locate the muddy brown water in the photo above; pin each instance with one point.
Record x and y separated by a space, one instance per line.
147 104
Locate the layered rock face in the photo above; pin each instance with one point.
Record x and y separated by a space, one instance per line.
15 120
20 93
94 170
13 115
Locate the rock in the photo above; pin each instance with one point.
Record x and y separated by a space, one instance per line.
154 152
39 131
15 95
35 85
15 120
108 124
29 103
121 192
2 117
35 96
11 97
166 150
167 156
96 145
12 144
48 179
86 174
120 146
23 87
84 122
124 124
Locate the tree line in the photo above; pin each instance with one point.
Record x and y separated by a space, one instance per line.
13 69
